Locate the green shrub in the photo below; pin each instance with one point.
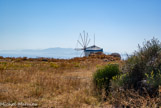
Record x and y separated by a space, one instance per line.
102 76
154 80
118 81
144 61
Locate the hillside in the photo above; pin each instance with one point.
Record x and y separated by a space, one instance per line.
49 82
60 83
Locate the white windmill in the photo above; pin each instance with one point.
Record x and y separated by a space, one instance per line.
84 42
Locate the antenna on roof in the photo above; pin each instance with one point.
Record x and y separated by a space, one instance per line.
94 39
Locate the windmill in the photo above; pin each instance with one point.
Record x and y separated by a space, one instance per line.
84 42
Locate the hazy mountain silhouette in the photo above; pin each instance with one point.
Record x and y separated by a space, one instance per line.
50 52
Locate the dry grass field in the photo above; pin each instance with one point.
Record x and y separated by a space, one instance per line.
57 83
48 82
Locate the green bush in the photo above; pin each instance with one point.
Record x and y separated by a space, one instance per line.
154 80
118 81
143 62
102 76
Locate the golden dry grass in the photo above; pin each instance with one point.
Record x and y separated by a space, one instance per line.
59 83
49 82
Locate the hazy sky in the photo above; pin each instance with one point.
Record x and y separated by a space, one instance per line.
119 25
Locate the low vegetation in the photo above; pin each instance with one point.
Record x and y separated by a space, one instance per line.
140 78
49 82
145 64
96 81
102 77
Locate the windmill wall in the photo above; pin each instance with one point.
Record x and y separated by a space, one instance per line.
88 52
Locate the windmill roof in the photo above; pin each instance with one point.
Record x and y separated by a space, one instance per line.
94 47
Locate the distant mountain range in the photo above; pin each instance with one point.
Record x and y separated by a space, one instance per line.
50 52
57 52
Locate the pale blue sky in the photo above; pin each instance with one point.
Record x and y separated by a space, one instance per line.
119 25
